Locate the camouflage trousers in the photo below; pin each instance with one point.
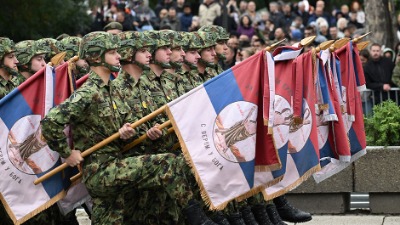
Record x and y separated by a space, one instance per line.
113 186
155 206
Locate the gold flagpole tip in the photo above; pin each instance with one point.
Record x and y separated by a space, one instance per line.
362 45
338 44
274 45
357 39
74 59
307 41
324 45
57 59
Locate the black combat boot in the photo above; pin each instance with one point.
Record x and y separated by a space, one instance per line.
236 219
248 216
261 215
289 213
195 215
219 218
273 215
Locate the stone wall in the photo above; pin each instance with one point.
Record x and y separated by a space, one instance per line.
377 173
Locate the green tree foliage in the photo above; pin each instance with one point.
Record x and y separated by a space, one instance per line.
383 128
22 19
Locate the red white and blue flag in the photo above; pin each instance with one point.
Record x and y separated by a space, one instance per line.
346 67
222 127
24 155
295 129
332 135
353 81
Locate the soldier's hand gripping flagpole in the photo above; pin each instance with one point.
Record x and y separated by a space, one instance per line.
99 145
144 137
133 144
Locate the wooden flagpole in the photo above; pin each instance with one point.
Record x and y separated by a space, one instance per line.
99 145
143 137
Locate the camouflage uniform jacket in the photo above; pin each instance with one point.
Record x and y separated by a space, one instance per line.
95 111
6 86
189 80
209 73
156 92
136 100
218 68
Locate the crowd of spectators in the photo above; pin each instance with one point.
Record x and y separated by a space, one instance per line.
252 28
246 21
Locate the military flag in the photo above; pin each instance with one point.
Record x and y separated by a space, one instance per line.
24 155
332 135
346 66
222 127
295 130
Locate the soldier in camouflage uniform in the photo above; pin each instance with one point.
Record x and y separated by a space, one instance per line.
97 111
206 65
160 85
178 44
135 53
221 48
31 58
70 45
8 67
190 77
153 92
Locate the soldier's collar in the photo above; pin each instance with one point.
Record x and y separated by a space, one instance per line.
151 75
96 79
13 80
3 81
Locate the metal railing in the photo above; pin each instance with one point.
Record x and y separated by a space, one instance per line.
370 98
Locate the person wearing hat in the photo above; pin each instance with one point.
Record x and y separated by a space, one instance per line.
113 28
8 67
190 76
156 87
221 47
206 64
31 57
178 46
136 48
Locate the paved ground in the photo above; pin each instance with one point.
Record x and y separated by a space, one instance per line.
350 219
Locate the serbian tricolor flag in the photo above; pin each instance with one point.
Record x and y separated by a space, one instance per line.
295 105
24 155
283 58
353 81
332 136
222 127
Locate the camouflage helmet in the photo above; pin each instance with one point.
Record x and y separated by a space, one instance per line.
209 38
25 50
70 45
222 35
195 42
6 46
50 43
95 44
132 41
180 40
162 37
43 47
